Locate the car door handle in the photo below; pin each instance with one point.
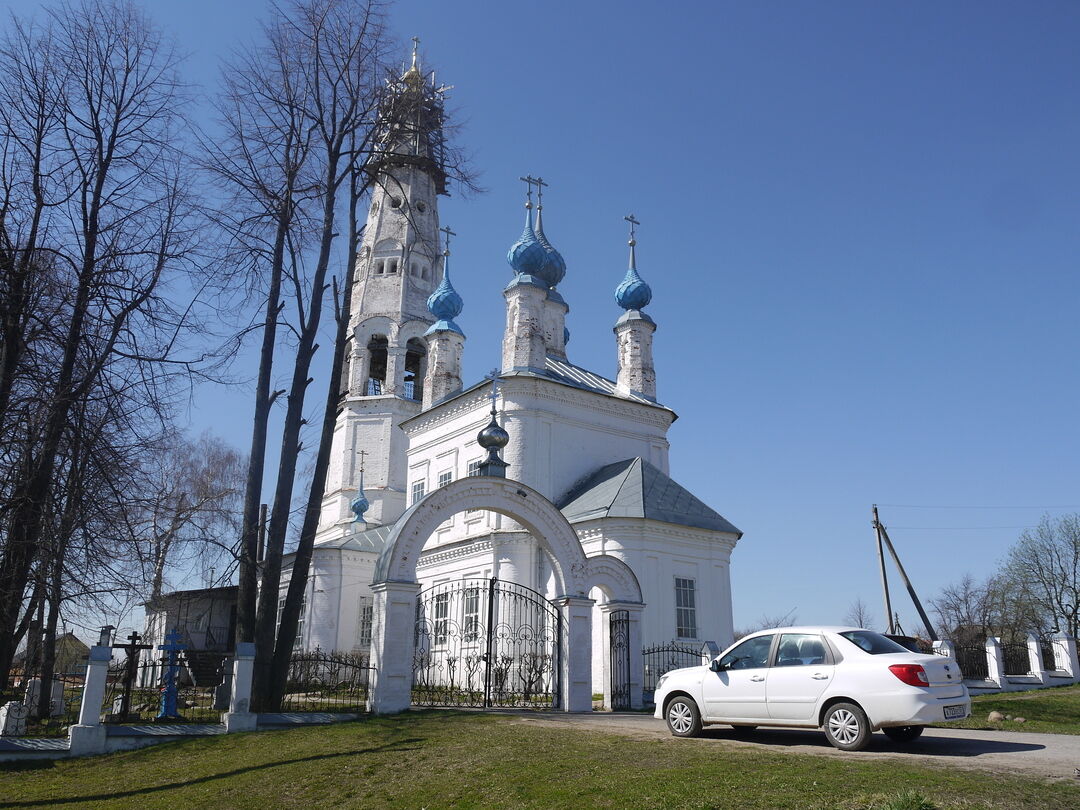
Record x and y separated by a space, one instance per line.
757 678
820 676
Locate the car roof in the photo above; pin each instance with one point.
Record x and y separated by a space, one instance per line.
808 628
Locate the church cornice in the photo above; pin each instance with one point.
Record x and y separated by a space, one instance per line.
643 528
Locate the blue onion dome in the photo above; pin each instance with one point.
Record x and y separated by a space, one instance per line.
445 303
632 292
554 269
359 505
527 256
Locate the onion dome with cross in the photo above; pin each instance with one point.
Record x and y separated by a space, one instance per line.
554 269
527 256
445 303
632 293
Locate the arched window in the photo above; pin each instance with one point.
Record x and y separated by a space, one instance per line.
376 384
415 368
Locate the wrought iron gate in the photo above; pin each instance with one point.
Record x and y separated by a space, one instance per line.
485 643
619 641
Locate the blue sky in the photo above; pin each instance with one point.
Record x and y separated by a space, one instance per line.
860 224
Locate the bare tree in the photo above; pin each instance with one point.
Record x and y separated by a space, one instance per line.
858 615
108 201
1045 563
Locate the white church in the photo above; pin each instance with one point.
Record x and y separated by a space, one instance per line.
514 541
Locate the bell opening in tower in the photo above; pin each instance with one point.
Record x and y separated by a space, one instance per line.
376 384
415 368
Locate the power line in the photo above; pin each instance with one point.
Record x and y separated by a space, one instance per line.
925 506
955 528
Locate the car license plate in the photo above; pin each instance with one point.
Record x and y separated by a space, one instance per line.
955 712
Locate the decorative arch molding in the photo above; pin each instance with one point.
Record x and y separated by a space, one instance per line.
519 502
614 577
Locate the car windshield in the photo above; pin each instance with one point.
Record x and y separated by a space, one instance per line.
873 643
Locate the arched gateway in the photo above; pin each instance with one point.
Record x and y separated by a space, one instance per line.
395 587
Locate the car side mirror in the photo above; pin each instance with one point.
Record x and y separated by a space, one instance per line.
716 666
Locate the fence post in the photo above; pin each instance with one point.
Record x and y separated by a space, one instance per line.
88 735
240 717
1035 662
944 647
1065 658
995 663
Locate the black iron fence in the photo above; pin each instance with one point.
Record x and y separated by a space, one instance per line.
327 682
972 662
65 698
1046 653
662 658
141 699
1017 660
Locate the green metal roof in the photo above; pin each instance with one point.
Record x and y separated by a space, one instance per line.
634 488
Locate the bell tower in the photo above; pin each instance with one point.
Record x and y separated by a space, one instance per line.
398 267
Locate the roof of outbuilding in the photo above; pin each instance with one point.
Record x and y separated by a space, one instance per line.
637 489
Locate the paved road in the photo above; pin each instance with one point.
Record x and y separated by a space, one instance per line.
1051 756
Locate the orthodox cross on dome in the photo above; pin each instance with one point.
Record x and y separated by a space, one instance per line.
360 504
493 375
540 186
415 47
449 233
633 239
529 181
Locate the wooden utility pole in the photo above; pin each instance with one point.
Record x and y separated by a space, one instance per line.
883 535
884 576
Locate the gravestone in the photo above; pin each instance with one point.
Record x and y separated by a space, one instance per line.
56 699
13 718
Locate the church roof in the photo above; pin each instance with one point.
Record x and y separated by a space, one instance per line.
368 540
567 373
635 488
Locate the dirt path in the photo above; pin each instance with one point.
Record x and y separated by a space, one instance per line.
1049 756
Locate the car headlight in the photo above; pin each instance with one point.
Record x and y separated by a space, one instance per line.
660 682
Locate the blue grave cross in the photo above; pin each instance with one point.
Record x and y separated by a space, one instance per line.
171 659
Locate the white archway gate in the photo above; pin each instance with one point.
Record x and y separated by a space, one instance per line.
395 587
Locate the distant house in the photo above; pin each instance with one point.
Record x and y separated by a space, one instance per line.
206 619
71 655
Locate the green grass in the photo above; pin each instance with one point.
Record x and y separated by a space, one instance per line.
442 759
1051 711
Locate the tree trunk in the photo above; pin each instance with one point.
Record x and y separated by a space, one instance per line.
290 614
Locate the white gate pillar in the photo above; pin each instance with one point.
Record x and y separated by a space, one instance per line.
392 627
576 652
240 717
995 663
1035 662
88 735
1065 658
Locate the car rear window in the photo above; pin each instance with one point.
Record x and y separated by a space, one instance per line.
873 643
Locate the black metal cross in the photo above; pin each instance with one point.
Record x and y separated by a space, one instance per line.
540 186
530 181
633 224
133 649
448 233
493 375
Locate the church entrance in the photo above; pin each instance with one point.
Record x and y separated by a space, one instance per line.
485 643
619 665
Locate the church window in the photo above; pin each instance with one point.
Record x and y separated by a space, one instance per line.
471 625
391 267
474 468
380 267
363 626
395 202
418 490
445 477
298 642
442 618
421 206
685 608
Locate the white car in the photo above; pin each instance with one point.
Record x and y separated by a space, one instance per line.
846 681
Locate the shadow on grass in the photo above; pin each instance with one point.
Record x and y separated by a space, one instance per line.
924 746
394 746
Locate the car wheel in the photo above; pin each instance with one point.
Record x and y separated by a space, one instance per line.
846 727
683 718
903 733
